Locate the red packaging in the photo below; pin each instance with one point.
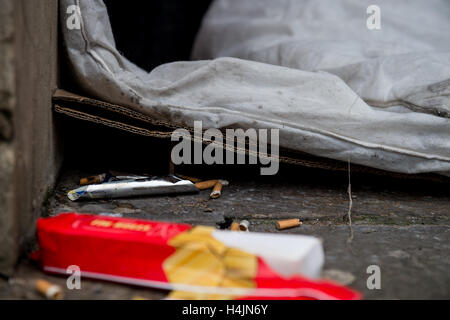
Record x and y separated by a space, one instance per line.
195 262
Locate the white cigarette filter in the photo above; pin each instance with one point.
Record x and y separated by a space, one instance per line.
224 182
243 225
49 290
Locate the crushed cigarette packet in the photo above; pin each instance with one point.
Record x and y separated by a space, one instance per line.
191 261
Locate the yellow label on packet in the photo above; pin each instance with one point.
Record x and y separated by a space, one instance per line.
120 225
202 260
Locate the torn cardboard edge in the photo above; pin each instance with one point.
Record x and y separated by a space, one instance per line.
129 120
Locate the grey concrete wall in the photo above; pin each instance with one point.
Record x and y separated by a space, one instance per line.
7 104
29 148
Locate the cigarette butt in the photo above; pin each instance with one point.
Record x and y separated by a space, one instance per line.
217 191
290 223
235 226
93 179
49 290
206 184
139 298
243 225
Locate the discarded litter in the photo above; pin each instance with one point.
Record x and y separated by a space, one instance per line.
216 191
117 185
203 185
235 226
110 176
215 184
49 290
240 226
133 187
243 225
193 261
290 223
99 178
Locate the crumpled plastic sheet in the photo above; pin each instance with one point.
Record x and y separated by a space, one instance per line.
316 111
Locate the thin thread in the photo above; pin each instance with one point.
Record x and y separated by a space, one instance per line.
350 205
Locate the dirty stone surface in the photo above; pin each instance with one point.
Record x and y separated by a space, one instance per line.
402 226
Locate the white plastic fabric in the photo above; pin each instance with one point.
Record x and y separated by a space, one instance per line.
394 65
316 112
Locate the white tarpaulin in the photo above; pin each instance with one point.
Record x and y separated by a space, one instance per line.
316 112
404 62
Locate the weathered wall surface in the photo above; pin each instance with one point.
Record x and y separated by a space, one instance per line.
29 152
7 103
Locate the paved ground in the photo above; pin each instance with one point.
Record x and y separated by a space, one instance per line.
400 225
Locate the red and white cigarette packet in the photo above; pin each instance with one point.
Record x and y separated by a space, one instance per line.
195 262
